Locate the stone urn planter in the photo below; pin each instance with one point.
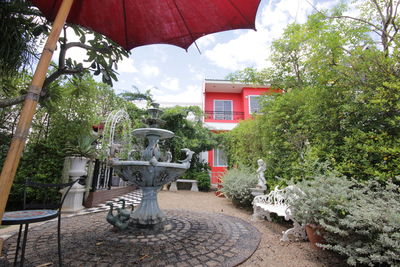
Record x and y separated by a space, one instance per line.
312 231
78 166
80 152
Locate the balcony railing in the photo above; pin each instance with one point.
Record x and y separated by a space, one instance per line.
223 115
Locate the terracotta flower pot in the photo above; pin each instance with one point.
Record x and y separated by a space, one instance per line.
313 236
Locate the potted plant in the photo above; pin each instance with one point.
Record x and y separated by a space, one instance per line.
323 203
79 154
358 219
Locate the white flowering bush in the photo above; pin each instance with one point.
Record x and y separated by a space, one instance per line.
360 221
236 184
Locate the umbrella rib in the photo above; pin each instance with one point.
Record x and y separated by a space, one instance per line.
240 12
125 28
187 28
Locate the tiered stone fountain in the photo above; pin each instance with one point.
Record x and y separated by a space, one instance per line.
149 174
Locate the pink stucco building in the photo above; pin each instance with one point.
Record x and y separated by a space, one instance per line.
225 104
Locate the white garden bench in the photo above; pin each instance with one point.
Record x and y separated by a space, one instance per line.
194 187
277 202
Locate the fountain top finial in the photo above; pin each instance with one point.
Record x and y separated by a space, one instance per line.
154 121
155 105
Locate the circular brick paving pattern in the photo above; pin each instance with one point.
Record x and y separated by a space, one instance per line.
188 239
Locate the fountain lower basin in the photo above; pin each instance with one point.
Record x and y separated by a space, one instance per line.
149 173
150 176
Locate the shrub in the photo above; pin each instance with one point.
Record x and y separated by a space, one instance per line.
325 196
360 221
236 184
203 179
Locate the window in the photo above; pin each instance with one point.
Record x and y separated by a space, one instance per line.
254 106
220 159
223 110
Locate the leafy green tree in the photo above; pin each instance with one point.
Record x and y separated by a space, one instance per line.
23 25
79 104
136 95
18 30
189 133
346 111
381 17
242 143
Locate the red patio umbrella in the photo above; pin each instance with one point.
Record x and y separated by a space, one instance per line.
130 23
133 23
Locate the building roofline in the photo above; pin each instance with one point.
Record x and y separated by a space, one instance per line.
236 82
235 86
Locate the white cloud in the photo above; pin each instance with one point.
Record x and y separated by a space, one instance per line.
161 54
198 75
155 91
126 65
127 83
248 49
252 49
205 41
150 70
191 95
137 82
170 83
325 5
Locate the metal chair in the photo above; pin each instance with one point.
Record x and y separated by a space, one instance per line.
33 212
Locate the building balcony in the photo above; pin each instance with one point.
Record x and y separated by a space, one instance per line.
223 116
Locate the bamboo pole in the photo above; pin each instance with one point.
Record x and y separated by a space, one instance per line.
18 141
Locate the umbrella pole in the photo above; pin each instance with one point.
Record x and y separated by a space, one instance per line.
18 141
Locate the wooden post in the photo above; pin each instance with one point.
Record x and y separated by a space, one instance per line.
18 141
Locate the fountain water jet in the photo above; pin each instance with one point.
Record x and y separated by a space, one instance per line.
149 174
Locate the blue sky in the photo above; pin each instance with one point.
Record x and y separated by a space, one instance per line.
176 76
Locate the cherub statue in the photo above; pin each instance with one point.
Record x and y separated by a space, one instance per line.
260 174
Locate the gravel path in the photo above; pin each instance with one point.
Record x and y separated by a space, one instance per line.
271 251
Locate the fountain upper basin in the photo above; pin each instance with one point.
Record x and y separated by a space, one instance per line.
161 133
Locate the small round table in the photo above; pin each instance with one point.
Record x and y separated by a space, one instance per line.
25 217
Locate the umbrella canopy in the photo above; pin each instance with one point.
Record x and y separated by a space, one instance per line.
133 23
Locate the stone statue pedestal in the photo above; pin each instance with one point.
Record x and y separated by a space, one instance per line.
257 191
173 187
74 199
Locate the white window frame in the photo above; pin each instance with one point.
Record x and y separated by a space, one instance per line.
231 111
216 162
249 99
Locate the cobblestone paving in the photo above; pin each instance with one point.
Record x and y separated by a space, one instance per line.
187 239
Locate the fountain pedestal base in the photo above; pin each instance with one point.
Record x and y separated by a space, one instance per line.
148 213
